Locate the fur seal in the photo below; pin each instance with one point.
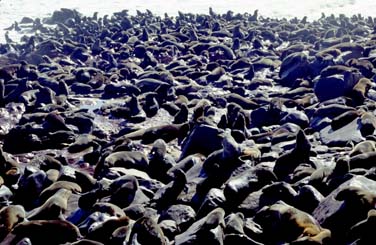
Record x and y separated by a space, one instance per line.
220 164
363 147
265 78
344 119
357 202
284 223
362 160
166 132
127 159
308 198
240 186
102 232
151 105
125 191
31 185
208 229
10 216
367 124
53 208
234 223
287 162
165 195
159 161
360 90
40 231
182 115
6 162
145 230
326 179
362 232
55 187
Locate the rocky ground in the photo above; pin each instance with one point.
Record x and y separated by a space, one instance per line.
194 129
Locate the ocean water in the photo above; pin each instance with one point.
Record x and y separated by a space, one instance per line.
14 10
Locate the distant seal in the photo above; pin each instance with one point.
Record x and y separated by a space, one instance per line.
265 78
182 115
167 132
151 105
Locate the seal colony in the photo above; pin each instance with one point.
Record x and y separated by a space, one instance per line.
194 129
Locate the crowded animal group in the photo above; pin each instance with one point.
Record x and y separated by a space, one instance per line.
193 129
